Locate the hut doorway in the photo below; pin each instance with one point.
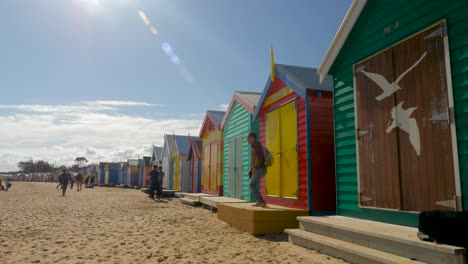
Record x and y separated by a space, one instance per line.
281 139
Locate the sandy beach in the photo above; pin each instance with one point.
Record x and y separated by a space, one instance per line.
112 225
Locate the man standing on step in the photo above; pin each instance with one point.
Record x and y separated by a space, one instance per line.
258 170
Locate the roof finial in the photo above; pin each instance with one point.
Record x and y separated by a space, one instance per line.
272 63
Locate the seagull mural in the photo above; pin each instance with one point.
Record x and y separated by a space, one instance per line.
389 88
401 118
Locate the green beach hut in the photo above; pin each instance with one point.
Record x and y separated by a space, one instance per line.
236 125
400 71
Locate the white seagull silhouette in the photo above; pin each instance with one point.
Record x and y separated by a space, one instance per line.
401 119
389 88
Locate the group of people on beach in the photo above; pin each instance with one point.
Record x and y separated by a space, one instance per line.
66 178
7 185
156 177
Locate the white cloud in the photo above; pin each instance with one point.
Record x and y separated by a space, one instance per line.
223 107
117 103
56 108
62 135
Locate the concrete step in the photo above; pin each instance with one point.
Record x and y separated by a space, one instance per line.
190 201
179 194
393 239
341 249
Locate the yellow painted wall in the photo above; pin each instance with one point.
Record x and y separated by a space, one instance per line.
176 172
212 176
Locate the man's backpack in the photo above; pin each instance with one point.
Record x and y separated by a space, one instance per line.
268 157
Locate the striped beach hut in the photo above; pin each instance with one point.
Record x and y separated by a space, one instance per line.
236 125
102 172
132 172
156 158
144 168
400 76
168 162
296 125
195 163
112 170
180 149
212 153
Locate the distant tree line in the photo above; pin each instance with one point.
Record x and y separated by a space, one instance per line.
41 166
31 166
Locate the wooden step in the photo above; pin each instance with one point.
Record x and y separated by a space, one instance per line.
341 249
393 239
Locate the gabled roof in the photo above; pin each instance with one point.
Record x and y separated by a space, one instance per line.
249 100
300 79
157 152
338 41
195 148
182 144
167 143
214 117
217 116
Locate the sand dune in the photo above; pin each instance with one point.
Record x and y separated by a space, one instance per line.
110 225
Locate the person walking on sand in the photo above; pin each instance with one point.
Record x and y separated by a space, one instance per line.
72 181
91 182
64 179
7 184
160 183
79 182
154 181
258 170
59 182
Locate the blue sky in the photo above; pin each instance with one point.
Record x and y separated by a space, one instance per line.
90 77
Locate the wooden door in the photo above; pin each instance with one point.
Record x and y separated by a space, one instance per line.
404 126
206 166
288 154
379 183
232 167
272 142
239 168
176 173
213 166
426 152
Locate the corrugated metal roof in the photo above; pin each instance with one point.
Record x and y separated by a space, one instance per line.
183 143
252 98
305 78
168 142
195 147
157 152
217 116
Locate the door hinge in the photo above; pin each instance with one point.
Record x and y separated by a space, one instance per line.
364 199
439 32
454 203
361 133
448 116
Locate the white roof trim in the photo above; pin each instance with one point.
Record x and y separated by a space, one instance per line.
343 32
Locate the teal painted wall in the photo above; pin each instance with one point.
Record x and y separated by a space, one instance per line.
238 123
368 38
